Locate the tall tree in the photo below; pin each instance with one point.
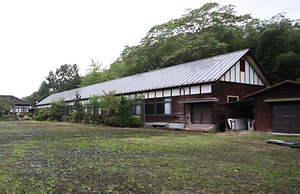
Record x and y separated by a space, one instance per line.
44 91
109 104
278 51
94 75
78 114
65 78
94 105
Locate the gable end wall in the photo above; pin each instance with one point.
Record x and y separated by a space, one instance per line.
234 74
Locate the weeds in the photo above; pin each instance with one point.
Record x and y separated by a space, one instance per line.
70 158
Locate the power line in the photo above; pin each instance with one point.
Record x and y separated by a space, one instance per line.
290 7
259 5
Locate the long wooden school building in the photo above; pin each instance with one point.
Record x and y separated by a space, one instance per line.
185 96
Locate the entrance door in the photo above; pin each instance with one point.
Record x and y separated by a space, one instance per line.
202 113
286 118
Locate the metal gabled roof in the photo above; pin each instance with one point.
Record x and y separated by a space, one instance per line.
200 71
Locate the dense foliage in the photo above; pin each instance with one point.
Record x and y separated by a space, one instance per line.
5 105
108 110
94 110
41 114
123 116
57 110
77 114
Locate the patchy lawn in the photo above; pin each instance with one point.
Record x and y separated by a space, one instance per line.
42 157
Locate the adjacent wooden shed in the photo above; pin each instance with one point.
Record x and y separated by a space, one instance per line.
277 108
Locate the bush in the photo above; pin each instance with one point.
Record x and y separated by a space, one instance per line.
128 122
96 119
78 114
66 118
30 115
42 115
21 115
57 110
123 117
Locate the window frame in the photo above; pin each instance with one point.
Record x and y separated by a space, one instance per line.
242 65
159 106
232 96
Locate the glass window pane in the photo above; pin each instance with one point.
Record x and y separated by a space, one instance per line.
167 99
159 99
167 108
160 108
150 100
138 109
132 109
150 109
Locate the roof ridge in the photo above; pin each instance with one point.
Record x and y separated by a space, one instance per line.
193 72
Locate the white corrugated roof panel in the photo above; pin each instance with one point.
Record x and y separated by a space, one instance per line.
200 71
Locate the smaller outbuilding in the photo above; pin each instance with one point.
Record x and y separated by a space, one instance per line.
21 106
277 108
272 109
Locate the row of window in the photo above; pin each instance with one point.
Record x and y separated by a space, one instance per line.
152 106
158 106
70 109
19 109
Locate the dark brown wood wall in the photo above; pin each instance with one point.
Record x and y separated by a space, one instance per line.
263 110
222 89
178 110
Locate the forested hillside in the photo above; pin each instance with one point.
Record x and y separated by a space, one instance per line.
204 32
208 31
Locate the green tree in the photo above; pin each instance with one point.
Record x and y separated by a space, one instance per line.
43 92
123 117
57 110
94 75
94 109
109 103
287 66
5 105
278 51
65 78
94 104
78 114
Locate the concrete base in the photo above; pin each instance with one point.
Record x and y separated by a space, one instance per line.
188 127
165 125
200 127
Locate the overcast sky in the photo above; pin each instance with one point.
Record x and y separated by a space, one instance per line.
38 36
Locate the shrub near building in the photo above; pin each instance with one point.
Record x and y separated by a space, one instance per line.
57 110
123 118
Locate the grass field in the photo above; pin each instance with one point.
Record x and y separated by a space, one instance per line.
43 157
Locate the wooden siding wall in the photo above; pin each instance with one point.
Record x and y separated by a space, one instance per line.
177 111
263 110
222 89
238 76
